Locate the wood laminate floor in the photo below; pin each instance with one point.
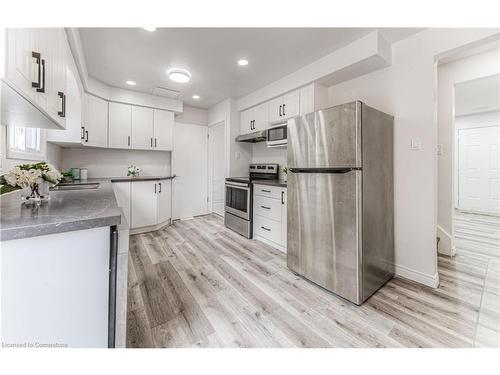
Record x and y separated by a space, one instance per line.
198 284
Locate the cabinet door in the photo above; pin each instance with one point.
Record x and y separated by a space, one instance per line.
144 203
246 125
275 108
291 105
284 206
122 194
142 128
163 130
260 115
164 200
120 120
95 126
22 69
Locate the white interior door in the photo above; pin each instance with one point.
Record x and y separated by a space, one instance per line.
479 169
189 164
216 167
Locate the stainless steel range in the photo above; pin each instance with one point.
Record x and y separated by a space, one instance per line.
238 212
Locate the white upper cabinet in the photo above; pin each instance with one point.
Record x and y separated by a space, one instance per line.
254 119
142 128
120 125
36 69
284 107
95 122
163 130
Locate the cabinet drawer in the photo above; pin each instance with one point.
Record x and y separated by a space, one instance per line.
268 191
267 228
267 207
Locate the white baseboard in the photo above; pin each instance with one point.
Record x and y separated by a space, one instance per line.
270 243
446 246
150 228
417 276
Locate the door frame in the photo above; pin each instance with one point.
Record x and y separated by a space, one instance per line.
210 163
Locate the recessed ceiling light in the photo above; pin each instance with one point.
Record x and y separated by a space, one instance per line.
196 97
150 29
179 75
242 62
131 83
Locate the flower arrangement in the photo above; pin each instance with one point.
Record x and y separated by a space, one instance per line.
31 176
133 171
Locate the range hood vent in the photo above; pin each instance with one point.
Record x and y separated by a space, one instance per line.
254 137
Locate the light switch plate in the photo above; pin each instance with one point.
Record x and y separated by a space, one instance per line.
416 144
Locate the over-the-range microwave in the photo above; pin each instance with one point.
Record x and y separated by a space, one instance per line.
276 135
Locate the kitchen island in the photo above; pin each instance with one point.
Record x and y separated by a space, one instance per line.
59 262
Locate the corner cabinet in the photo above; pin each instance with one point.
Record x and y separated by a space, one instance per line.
94 130
36 69
270 215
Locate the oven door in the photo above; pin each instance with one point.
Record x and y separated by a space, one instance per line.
238 199
277 135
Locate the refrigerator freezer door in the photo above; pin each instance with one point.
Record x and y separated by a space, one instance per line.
330 138
324 230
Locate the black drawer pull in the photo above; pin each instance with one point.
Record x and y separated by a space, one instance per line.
265 191
266 229
267 208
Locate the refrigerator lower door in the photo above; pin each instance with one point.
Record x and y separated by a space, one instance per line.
324 230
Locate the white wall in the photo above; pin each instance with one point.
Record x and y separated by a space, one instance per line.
407 90
114 163
263 154
461 70
192 115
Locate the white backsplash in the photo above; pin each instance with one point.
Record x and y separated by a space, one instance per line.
263 154
114 163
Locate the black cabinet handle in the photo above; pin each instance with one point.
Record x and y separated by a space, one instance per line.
38 57
128 141
155 143
159 184
82 135
151 142
86 135
155 188
267 208
265 191
280 110
266 229
284 109
282 197
62 112
42 87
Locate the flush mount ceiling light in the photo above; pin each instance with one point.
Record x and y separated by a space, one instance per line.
130 83
150 29
179 75
196 97
242 62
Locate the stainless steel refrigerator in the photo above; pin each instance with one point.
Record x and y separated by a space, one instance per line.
340 199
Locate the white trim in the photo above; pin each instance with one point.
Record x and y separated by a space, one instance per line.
417 276
446 242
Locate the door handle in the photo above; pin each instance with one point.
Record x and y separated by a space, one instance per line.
155 142
82 135
266 229
62 112
155 188
267 208
151 142
159 184
280 110
282 197
42 87
128 142
284 109
37 57
86 135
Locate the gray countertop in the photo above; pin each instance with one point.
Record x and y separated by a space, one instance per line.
64 212
280 183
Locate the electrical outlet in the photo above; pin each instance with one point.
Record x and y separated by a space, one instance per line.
416 144
237 155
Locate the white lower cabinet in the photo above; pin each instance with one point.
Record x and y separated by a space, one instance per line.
146 204
269 215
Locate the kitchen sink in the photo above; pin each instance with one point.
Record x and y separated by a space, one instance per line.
77 186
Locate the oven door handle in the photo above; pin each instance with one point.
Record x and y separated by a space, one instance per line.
238 185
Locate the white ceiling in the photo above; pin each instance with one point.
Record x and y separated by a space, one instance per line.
478 95
114 55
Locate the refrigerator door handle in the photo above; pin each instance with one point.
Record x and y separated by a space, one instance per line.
322 170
